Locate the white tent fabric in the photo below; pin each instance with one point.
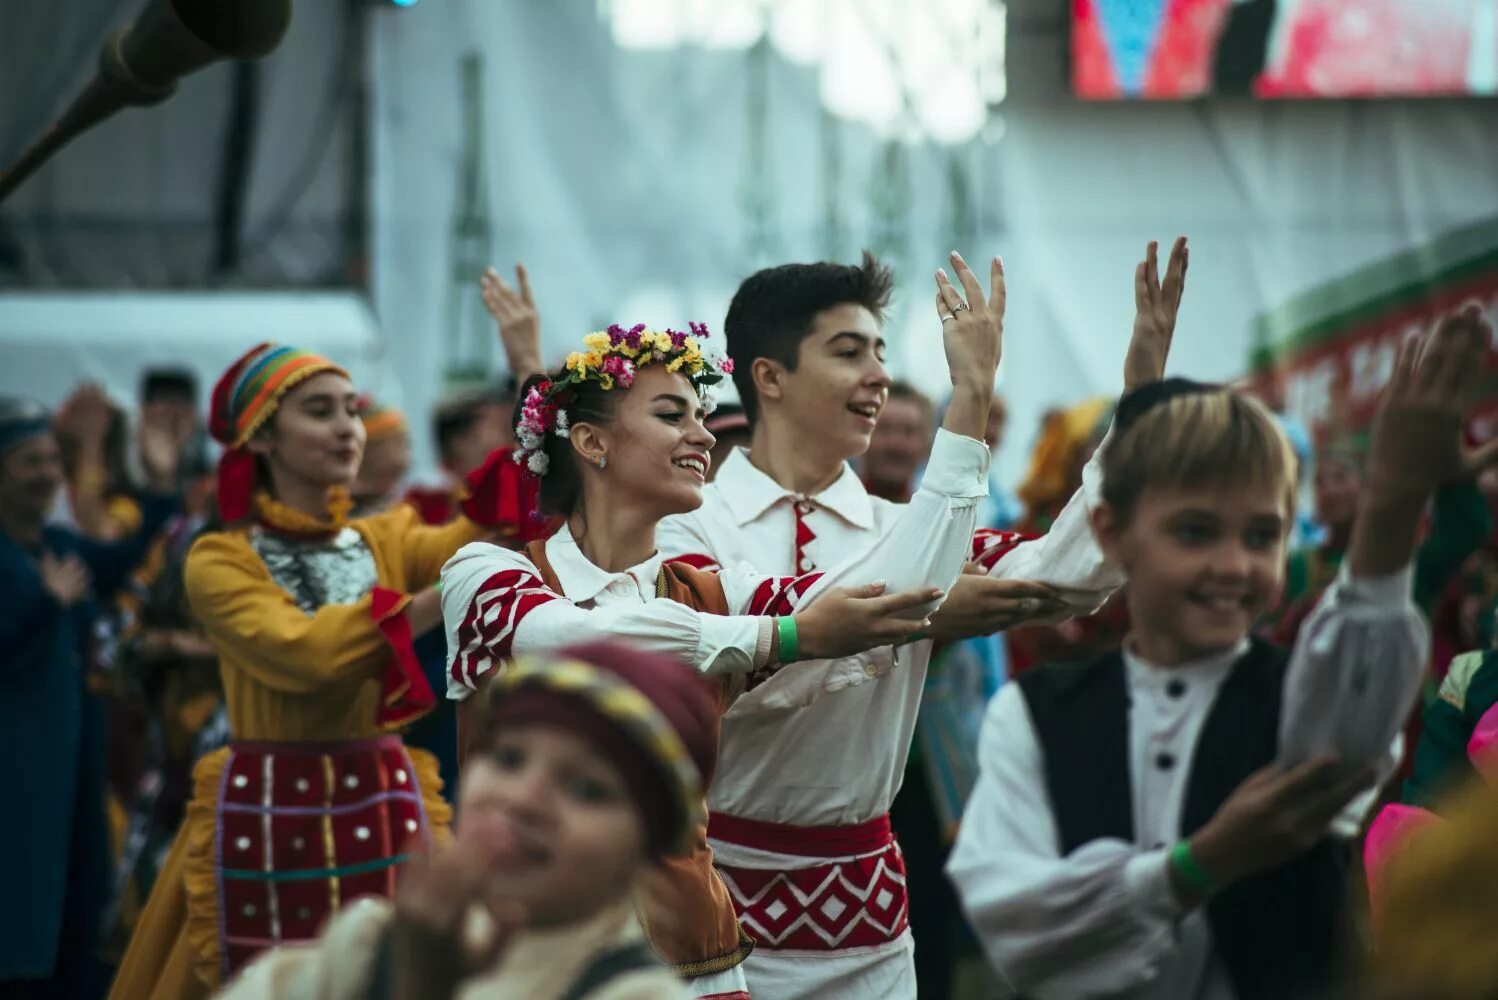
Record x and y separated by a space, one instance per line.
622 179
49 342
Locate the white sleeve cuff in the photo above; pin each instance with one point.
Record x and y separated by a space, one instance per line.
1147 879
1392 591
958 466
727 644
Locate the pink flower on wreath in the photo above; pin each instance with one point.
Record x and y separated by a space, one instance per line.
621 368
726 366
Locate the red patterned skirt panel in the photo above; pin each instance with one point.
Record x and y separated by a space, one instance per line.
304 828
851 896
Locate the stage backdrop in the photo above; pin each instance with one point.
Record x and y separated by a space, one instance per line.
1326 354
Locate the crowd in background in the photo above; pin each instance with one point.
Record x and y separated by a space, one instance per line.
150 689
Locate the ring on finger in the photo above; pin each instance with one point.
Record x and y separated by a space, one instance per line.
947 317
959 307
1028 605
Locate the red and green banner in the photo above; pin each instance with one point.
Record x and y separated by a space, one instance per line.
1324 356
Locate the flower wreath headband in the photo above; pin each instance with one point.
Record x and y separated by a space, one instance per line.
612 358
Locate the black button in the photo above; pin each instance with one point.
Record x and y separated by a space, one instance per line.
1165 761
1176 688
1159 845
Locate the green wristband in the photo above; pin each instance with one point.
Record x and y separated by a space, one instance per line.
790 641
1184 863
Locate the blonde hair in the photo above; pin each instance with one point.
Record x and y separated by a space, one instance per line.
1206 437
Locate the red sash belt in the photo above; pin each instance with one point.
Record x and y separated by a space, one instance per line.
854 898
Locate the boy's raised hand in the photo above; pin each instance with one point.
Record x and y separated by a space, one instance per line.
1417 438
1156 306
1417 432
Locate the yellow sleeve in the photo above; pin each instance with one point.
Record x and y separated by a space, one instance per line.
424 547
258 627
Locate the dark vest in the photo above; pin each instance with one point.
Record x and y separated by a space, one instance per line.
1276 932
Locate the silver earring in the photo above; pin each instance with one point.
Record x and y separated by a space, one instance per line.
602 461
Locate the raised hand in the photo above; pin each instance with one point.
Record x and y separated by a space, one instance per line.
1156 306
67 580
972 333
1417 439
972 326
84 416
519 321
846 621
1417 432
162 438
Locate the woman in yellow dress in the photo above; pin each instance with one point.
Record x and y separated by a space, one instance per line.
316 800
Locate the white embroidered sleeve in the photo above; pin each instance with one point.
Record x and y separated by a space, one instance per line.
1067 557
1354 673
1098 922
495 605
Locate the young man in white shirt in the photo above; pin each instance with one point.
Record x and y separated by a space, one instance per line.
1169 822
800 803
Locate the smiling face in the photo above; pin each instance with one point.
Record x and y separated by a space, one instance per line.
315 437
1202 565
578 838
835 396
658 451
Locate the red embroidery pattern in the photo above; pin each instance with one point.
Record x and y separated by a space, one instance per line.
487 634
990 545
804 535
697 560
846 903
778 594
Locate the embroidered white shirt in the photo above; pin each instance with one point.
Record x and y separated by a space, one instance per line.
840 760
1104 921
495 604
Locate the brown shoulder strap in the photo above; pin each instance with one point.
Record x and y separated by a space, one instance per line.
697 589
536 553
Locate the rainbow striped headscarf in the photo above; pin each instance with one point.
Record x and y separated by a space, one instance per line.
243 400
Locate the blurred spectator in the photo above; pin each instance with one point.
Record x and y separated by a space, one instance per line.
93 434
387 457
467 429
1000 509
57 880
1067 441
1459 525
900 444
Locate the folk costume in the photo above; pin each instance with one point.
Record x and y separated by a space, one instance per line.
799 810
658 723
316 799
499 603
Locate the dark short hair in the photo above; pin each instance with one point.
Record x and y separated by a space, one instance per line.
774 309
172 382
456 417
590 402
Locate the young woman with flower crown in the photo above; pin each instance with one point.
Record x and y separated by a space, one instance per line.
313 615
618 441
